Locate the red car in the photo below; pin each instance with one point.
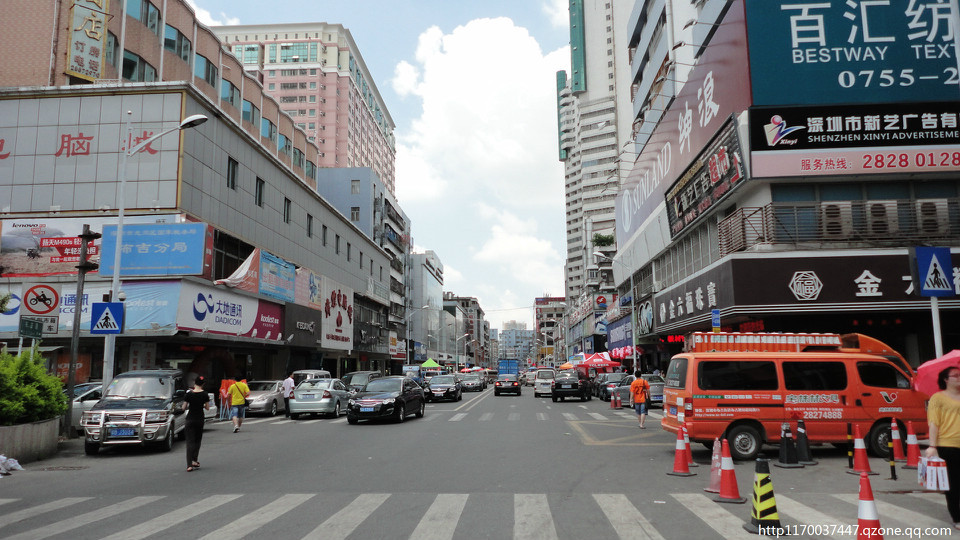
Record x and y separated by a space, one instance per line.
507 383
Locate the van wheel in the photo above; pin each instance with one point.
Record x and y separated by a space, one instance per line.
91 448
744 442
878 439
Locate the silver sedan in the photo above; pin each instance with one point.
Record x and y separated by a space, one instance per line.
265 397
319 396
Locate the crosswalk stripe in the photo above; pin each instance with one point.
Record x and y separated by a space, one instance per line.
26 513
934 497
805 514
625 414
278 422
598 416
486 416
76 522
5 501
256 421
655 415
625 518
890 511
339 420
542 416
532 518
441 518
570 416
728 525
341 524
457 417
512 417
259 517
313 421
172 519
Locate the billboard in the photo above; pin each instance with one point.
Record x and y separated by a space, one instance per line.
159 249
219 311
865 51
337 327
277 277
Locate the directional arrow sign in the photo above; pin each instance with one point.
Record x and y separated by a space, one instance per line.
106 318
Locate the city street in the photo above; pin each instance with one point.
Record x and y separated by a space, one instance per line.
484 467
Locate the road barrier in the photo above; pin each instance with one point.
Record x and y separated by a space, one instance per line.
729 492
764 516
680 467
803 445
715 472
788 451
861 464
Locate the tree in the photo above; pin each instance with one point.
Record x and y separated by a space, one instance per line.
27 392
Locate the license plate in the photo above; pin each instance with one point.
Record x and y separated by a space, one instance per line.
306 396
366 409
123 432
566 386
440 393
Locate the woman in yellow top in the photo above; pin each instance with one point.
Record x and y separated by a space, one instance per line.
238 393
943 415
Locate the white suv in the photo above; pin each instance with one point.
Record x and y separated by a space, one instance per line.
542 381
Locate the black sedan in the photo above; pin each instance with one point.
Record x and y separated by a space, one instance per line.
444 387
387 397
472 383
570 384
507 384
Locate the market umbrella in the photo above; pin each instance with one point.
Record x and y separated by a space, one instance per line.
926 379
466 370
430 363
566 365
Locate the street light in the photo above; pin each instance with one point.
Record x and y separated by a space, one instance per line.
464 350
110 340
633 312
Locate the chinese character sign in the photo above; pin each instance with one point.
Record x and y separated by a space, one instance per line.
852 51
88 39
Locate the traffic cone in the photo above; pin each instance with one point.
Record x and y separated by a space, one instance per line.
913 448
803 445
686 444
788 452
764 516
729 492
680 467
895 440
868 521
860 462
613 401
715 472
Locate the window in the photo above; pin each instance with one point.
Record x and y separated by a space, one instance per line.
204 69
354 213
814 376
112 52
286 210
313 99
250 54
323 235
229 93
177 43
881 375
285 146
354 187
336 244
310 170
251 113
268 130
258 192
271 86
232 167
137 69
349 251
309 226
737 375
145 12
297 158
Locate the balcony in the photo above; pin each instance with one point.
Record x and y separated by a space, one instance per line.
842 224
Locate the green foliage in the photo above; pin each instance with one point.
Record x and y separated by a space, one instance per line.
27 392
603 240
4 300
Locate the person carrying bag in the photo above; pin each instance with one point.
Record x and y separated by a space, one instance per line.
238 392
943 417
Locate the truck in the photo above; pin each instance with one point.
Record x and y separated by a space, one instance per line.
509 367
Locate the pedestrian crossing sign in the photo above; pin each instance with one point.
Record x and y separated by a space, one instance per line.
933 271
106 318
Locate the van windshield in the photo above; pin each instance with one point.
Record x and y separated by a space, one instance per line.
677 373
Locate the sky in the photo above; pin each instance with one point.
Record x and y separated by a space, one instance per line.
471 88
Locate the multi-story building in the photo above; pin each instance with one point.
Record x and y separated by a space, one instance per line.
316 72
424 306
517 343
783 177
232 263
548 323
474 333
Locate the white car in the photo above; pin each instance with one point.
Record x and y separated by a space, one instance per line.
542 381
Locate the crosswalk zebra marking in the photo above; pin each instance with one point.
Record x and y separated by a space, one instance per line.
458 417
341 524
258 518
76 522
598 416
889 511
570 416
257 420
625 518
486 416
937 497
441 518
278 422
805 514
542 416
513 417
27 513
532 518
172 519
728 525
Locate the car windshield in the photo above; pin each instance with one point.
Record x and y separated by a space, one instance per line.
567 375
653 378
359 379
261 386
545 374
311 384
508 377
442 379
615 377
140 387
471 377
383 385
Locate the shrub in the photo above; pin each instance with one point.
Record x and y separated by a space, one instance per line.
27 392
603 240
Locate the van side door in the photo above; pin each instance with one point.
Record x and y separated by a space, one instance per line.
819 393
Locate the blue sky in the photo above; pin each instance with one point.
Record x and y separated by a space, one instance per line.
471 88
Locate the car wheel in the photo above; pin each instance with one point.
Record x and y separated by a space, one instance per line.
878 439
496 392
422 409
273 409
554 398
401 413
167 444
744 442
460 396
336 410
91 448
583 397
352 420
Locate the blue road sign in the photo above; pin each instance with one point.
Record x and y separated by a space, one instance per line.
934 271
715 319
106 318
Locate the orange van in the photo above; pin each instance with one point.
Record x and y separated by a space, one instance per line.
745 396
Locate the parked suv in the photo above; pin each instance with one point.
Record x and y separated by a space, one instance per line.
356 380
140 407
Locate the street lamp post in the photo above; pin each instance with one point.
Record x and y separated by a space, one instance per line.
464 351
110 340
633 312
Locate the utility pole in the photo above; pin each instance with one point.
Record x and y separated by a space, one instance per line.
66 429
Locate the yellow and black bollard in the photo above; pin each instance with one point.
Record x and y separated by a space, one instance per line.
893 462
764 518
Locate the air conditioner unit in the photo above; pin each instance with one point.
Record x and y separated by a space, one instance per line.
836 220
323 154
933 216
882 218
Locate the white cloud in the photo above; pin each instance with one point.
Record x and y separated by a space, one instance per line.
558 12
205 17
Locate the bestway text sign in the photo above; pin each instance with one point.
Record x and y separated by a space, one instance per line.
851 51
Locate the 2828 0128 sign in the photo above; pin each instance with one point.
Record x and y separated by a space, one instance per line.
911 160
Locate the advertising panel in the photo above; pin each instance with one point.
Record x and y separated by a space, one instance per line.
337 328
855 139
307 289
158 249
619 333
696 297
208 309
716 88
277 277
88 39
851 52
303 324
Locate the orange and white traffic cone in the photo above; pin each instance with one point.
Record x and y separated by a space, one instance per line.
729 492
913 448
895 440
868 521
686 444
861 464
680 467
715 472
613 401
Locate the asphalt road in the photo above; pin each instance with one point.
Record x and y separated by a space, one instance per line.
484 467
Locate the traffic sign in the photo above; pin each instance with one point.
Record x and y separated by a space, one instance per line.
106 318
42 299
933 271
715 319
30 328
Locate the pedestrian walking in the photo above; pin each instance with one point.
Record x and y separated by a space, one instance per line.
195 402
287 393
639 392
238 403
943 416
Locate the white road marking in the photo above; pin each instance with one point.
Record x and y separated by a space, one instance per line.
457 417
26 513
716 517
625 518
532 518
441 518
172 519
259 517
341 524
486 416
82 520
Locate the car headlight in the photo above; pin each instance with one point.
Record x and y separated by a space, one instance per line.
350 402
389 401
156 416
260 399
91 417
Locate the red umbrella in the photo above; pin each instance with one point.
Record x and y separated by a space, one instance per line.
926 379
